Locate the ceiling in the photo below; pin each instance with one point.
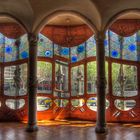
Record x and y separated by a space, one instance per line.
66 19
34 14
4 19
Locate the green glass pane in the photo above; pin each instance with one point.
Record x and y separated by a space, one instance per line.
15 84
77 80
124 80
61 79
44 74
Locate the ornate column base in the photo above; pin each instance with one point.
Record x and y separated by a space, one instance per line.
31 128
101 129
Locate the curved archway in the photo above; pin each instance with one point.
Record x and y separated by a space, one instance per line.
15 19
119 16
12 63
124 56
61 12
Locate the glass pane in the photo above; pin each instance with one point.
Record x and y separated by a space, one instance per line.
77 102
77 53
106 45
61 102
43 103
125 105
61 94
114 45
24 47
92 77
15 104
91 47
15 80
130 48
10 50
45 46
2 45
92 103
77 80
61 79
124 80
106 76
44 74
138 44
61 51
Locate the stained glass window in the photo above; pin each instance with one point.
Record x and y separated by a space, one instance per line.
125 105
77 80
91 47
2 45
61 102
130 48
106 44
61 51
44 74
77 102
15 80
61 79
43 103
114 45
24 47
92 103
15 104
138 45
45 46
123 47
124 80
10 50
78 53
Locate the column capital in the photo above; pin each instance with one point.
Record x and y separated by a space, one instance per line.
32 38
99 36
17 43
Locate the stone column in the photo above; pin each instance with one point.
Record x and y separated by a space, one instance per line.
101 83
32 83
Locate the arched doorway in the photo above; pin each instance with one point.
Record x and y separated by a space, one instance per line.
13 69
123 61
67 60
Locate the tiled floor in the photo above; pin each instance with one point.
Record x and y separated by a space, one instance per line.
68 130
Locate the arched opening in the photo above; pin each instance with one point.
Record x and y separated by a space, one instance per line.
123 61
66 69
13 69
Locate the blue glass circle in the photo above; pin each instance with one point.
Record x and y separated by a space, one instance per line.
48 53
80 49
8 49
74 58
65 51
24 54
132 47
114 53
105 42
